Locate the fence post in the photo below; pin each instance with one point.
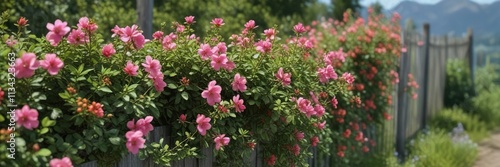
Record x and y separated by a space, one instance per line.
401 107
472 58
426 75
145 17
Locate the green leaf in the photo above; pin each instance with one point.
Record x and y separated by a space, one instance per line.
46 122
185 95
133 86
105 89
115 140
44 152
43 131
2 118
172 86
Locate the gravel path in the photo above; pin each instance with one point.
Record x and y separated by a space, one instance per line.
489 152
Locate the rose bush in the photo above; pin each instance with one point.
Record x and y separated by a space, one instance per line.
79 97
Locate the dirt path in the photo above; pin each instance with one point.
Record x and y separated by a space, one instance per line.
489 152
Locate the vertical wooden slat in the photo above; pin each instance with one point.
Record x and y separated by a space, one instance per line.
145 17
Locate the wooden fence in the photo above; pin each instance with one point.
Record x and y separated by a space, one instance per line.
425 58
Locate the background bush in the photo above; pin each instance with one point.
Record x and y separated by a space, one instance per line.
447 119
458 85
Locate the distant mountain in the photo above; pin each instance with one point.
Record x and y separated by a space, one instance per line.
453 16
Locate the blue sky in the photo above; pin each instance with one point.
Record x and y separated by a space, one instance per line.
388 4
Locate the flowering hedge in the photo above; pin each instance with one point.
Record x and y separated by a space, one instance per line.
72 97
369 49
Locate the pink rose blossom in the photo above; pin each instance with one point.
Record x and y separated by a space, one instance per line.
334 102
334 56
299 135
11 41
220 141
263 46
239 83
182 118
56 31
180 28
127 33
299 28
158 82
218 61
108 50
2 93
250 25
271 160
158 35
26 65
168 43
348 77
134 141
229 66
151 65
131 68
139 41
64 162
238 104
284 78
26 117
52 64
305 107
87 25
319 109
189 19
205 51
143 125
220 48
314 141
270 33
324 74
203 124
217 22
77 37
212 93
295 149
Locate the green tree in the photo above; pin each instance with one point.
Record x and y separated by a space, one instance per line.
377 8
341 6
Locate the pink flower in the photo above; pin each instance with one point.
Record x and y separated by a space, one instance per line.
250 25
314 141
139 41
263 46
321 125
77 37
270 33
299 28
229 66
182 118
189 19
143 125
271 161
299 135
239 83
180 28
305 107
2 93
26 65
108 50
87 25
205 51
414 95
131 68
220 48
221 140
324 74
52 64
11 41
284 78
158 35
203 124
56 31
134 141
168 43
238 104
319 109
348 77
26 117
334 56
151 65
64 162
127 33
295 149
334 102
218 61
157 77
217 22
212 93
